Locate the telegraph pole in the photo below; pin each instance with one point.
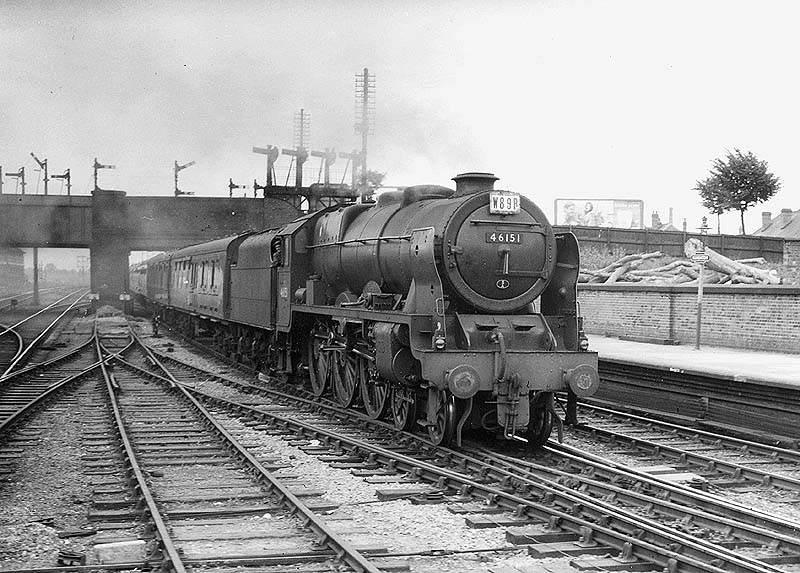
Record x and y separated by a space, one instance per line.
302 125
35 277
365 115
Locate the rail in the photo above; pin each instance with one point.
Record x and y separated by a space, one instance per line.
35 343
346 552
173 560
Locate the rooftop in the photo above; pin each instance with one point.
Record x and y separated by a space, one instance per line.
786 224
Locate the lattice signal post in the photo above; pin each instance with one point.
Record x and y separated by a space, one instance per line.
365 117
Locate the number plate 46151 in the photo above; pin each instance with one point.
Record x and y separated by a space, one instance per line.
508 238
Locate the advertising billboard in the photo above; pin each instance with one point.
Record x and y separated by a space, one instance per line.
622 213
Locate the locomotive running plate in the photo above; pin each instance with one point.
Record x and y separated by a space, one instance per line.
503 203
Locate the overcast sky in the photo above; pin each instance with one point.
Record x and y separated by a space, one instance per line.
578 99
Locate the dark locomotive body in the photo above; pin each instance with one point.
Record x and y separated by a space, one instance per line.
449 309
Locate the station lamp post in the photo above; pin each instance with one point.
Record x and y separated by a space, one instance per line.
700 257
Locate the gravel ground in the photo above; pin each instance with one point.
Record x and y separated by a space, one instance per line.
47 494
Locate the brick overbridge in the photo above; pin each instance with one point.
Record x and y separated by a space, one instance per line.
111 224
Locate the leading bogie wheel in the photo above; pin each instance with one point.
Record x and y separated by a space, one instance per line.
541 420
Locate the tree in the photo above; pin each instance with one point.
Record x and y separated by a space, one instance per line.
372 180
713 199
737 183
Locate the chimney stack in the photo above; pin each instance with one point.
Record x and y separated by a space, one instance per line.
766 218
473 182
670 215
656 220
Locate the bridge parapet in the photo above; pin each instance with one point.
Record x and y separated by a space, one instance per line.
111 224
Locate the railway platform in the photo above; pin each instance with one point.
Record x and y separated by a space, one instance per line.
736 365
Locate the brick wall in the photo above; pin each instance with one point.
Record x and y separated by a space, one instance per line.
742 316
791 253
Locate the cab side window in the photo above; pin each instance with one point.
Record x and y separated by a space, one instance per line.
276 252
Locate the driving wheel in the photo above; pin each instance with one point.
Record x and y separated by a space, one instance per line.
345 374
319 359
404 407
374 392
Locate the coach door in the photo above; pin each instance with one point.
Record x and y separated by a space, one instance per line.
192 296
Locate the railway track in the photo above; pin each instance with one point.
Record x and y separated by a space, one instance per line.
749 408
24 330
207 486
23 391
566 503
577 514
10 301
169 485
722 461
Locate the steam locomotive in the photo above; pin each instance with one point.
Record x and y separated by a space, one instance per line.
446 309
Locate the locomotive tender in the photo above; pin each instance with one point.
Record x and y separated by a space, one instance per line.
452 309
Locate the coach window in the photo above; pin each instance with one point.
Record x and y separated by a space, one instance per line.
213 273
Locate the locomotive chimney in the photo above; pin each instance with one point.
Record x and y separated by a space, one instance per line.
473 182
